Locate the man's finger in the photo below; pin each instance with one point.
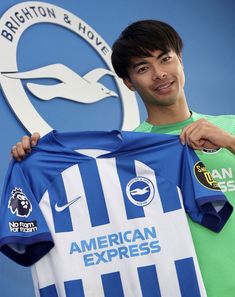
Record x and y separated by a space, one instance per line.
34 138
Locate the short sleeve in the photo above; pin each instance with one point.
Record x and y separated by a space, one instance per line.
24 234
203 199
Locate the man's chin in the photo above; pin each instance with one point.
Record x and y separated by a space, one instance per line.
165 101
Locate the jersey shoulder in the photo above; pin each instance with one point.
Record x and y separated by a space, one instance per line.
226 122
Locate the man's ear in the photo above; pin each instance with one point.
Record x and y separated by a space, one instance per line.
128 83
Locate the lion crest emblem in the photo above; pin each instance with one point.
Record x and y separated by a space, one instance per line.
19 203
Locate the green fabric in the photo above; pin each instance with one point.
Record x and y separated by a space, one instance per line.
215 251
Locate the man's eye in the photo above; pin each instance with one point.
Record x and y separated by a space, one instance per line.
166 59
142 69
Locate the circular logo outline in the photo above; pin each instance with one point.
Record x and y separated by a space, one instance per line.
13 89
141 192
204 177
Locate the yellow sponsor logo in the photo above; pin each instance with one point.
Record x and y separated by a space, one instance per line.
204 176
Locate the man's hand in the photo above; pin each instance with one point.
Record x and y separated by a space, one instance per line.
203 134
23 147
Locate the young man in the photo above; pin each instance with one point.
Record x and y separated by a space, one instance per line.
148 57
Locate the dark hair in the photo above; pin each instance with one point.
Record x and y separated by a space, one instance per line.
139 39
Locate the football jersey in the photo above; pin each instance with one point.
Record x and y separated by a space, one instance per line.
215 252
101 214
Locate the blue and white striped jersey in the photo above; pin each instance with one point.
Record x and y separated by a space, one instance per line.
102 214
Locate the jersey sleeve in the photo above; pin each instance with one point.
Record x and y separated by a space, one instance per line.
24 234
209 207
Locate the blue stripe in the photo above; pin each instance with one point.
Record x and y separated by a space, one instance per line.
74 288
187 278
149 281
49 291
126 172
168 194
112 285
94 193
57 194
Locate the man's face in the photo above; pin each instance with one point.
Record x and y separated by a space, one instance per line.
159 79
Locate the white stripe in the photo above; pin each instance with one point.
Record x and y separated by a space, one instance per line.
130 281
74 188
45 207
43 268
155 206
92 284
112 191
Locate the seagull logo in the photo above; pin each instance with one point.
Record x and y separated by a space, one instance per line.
139 191
71 85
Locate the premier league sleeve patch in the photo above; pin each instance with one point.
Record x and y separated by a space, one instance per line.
19 203
20 206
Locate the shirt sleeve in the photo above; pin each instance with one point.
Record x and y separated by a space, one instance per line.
24 234
203 199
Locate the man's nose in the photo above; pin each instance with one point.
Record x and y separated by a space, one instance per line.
159 73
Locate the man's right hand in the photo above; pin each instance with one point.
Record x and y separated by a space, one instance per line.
202 134
23 147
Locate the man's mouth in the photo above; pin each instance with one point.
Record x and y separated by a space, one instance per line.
164 86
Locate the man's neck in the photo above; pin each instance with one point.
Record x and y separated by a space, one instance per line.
165 115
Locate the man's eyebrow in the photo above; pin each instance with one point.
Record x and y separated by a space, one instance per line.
160 55
142 62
